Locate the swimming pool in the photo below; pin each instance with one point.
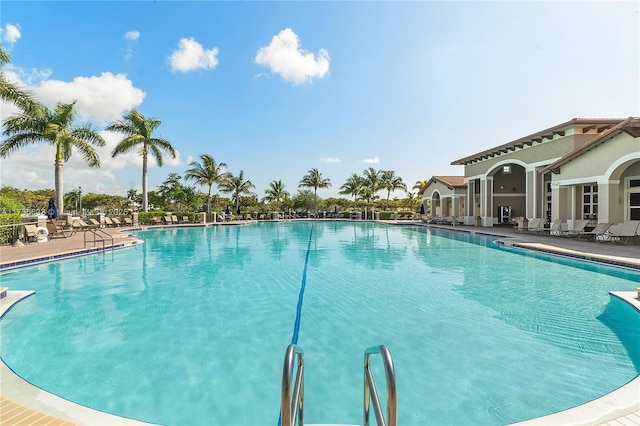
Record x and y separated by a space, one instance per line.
191 327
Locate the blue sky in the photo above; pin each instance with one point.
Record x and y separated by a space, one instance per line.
277 88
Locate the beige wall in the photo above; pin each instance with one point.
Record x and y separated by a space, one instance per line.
597 161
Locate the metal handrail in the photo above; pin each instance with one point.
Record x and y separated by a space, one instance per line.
292 406
95 231
370 392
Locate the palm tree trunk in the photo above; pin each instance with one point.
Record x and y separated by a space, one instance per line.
145 198
58 165
209 201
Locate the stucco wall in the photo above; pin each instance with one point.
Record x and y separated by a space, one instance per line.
596 161
541 152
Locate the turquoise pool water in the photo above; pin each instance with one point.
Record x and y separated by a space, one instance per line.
191 327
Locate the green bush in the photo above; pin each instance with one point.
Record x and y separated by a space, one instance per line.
10 227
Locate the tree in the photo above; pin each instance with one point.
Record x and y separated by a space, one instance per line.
10 92
275 193
138 131
372 184
420 185
207 173
304 200
314 180
57 128
391 182
353 186
236 186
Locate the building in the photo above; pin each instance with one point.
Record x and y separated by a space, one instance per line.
445 196
581 169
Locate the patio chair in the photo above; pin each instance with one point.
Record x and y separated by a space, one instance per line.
58 232
556 228
576 229
620 234
185 219
81 225
535 225
116 221
108 222
174 218
167 219
31 234
600 229
95 223
128 221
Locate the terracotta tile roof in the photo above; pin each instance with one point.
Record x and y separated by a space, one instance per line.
631 126
449 181
538 137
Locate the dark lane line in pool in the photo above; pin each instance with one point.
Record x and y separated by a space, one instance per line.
296 326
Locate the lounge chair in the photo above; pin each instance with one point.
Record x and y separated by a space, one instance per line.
535 225
185 219
168 220
81 225
108 222
31 234
156 220
621 233
116 221
58 232
174 218
600 229
95 223
128 221
576 229
556 228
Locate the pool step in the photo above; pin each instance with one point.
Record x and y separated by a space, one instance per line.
3 292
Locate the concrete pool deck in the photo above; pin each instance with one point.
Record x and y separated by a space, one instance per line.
22 403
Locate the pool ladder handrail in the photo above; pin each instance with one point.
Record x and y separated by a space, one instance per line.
292 405
371 393
97 233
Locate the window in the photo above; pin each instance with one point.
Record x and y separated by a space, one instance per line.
506 169
590 201
633 189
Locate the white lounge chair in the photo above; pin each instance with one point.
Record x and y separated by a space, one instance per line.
621 233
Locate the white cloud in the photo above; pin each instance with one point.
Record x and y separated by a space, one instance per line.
11 33
191 56
132 35
374 160
99 98
285 57
329 160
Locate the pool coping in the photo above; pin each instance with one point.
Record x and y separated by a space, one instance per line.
611 406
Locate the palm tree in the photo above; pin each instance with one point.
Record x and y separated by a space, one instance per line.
56 128
207 173
391 182
420 185
10 92
352 186
372 183
275 193
236 186
314 180
138 131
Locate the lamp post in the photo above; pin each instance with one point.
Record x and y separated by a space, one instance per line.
80 201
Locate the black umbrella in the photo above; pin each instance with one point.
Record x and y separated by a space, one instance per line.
421 208
52 211
238 210
227 210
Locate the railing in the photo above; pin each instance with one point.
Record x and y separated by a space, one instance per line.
371 393
292 405
97 233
